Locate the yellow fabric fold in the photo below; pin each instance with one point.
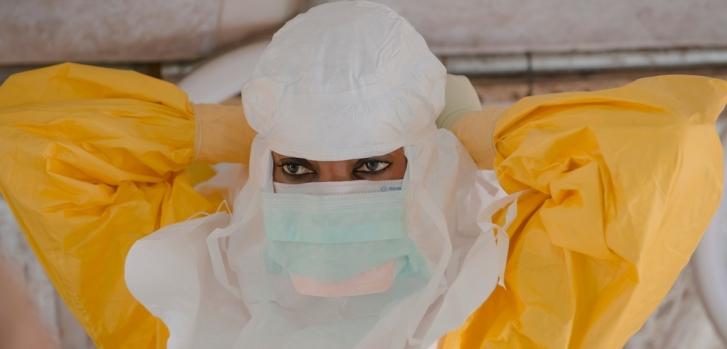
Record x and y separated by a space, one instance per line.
624 183
91 160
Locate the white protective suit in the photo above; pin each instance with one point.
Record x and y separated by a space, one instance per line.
345 80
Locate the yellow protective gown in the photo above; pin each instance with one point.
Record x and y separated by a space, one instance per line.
625 181
91 160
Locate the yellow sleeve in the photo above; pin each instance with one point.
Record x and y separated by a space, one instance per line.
92 159
624 181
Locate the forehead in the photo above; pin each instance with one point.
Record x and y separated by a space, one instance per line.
396 153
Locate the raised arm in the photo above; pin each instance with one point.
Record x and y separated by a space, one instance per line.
91 160
623 182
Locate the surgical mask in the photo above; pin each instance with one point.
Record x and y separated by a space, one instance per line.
337 239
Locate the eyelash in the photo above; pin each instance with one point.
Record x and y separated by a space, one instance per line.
286 170
377 162
285 167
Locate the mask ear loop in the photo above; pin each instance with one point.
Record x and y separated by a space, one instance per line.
218 244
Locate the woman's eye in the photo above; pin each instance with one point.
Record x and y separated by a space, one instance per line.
296 169
373 166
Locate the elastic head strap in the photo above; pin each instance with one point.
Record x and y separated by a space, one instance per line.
502 239
222 272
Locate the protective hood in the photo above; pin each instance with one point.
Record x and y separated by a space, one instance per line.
356 72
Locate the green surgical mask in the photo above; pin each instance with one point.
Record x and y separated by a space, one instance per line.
343 243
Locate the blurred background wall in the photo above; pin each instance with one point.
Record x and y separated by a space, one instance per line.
46 31
509 49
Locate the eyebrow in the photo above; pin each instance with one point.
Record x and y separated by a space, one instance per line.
287 158
303 161
385 158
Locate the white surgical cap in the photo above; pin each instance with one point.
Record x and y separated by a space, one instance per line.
367 98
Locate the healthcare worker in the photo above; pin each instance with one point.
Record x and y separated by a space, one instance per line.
359 223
